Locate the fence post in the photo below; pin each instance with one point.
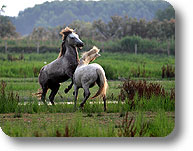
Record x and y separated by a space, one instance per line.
168 48
38 47
135 48
5 46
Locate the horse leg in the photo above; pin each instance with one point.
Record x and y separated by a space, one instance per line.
43 97
69 87
75 96
53 93
104 100
86 96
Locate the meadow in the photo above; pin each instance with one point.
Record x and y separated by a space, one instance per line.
116 65
149 111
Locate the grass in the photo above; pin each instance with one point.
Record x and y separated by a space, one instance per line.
25 88
116 65
22 116
150 118
81 125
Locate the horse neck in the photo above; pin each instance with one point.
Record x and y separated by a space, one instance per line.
82 62
71 52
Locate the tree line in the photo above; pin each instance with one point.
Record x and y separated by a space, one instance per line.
56 13
116 28
118 34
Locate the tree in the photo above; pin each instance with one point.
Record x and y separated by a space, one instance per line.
112 29
84 29
38 35
7 29
56 13
168 14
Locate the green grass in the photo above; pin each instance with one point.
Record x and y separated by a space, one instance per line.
20 114
83 125
116 65
24 88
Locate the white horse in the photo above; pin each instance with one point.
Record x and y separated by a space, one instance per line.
87 75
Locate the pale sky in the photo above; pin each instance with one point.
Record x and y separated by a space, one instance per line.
13 7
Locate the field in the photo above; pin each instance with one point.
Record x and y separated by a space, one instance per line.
146 112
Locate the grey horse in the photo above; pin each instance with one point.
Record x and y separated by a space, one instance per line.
87 75
61 69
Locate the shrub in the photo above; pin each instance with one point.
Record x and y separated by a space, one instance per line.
147 96
125 44
8 101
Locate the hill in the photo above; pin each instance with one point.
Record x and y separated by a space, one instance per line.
51 14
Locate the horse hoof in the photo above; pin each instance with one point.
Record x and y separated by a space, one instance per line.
66 90
81 107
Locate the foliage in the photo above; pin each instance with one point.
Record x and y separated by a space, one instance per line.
168 71
8 100
127 128
127 44
124 44
119 27
116 28
7 29
133 92
51 14
168 13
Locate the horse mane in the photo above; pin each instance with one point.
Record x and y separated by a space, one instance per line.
90 55
64 32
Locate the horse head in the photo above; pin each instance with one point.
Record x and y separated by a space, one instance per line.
71 37
91 55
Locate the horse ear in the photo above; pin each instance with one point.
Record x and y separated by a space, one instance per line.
62 32
97 55
66 31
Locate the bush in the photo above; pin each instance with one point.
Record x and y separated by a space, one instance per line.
126 44
148 96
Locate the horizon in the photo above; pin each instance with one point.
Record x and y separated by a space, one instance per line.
12 8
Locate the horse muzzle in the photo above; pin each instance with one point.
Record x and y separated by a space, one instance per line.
80 44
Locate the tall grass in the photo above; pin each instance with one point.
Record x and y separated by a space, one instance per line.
8 100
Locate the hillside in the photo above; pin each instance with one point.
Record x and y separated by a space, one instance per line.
51 14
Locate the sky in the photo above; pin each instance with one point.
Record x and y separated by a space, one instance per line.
13 7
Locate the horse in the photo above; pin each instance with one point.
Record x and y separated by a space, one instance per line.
87 75
61 69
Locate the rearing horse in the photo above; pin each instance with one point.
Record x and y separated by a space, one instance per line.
61 69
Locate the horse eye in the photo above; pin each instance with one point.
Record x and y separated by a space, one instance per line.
72 37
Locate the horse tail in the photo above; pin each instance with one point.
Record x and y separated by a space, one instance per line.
103 85
38 94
